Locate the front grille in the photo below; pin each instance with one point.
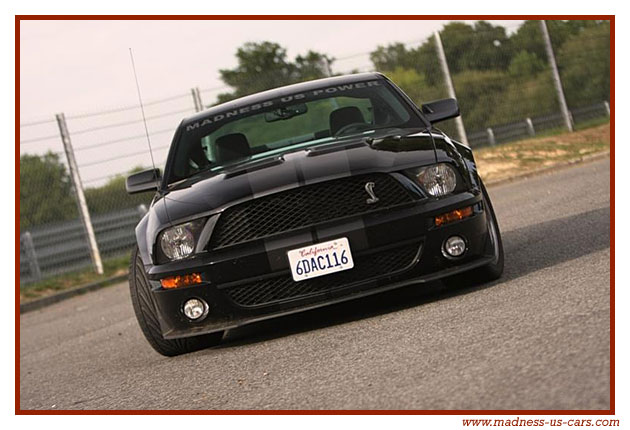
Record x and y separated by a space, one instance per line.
367 267
305 206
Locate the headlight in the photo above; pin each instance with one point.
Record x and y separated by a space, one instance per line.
179 242
437 180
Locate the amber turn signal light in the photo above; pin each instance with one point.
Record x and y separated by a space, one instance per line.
181 280
452 216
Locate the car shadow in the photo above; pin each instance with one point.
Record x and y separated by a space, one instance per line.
527 250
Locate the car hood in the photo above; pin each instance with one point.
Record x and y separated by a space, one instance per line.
205 195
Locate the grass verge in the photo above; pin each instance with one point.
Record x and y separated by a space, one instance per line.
111 267
505 161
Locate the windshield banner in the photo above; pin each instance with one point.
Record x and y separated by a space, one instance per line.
304 96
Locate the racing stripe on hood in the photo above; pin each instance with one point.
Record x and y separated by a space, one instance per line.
275 248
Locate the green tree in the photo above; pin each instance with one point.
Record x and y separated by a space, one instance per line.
524 98
416 86
481 46
421 90
526 65
477 93
584 65
113 196
45 191
313 65
397 56
501 78
262 66
528 37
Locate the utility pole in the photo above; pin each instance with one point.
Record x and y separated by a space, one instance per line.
459 122
84 213
556 76
196 95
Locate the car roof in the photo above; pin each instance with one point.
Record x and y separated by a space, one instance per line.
281 92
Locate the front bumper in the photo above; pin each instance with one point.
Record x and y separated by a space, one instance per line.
251 283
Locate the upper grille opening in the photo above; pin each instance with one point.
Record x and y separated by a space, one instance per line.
305 206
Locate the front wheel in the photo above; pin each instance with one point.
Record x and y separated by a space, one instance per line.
146 314
494 269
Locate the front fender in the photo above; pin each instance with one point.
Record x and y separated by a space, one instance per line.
154 221
448 149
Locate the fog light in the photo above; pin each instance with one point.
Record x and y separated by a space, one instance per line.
195 309
454 246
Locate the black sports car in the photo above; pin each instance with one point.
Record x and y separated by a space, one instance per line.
300 197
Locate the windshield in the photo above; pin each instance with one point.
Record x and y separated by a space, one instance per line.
274 126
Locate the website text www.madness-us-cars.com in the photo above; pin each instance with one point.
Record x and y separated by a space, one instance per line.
550 422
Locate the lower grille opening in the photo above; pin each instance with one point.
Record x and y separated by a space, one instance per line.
366 267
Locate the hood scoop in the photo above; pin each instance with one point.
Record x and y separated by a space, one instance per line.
252 167
327 149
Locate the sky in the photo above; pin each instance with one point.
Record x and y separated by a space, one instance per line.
83 67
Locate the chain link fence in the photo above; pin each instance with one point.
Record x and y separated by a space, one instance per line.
501 77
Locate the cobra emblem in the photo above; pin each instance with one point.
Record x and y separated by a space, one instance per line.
369 188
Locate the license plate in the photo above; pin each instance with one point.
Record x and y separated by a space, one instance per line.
320 259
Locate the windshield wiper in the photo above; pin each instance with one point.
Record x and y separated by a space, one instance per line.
397 135
375 140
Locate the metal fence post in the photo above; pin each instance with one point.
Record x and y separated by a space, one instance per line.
607 106
556 76
196 95
491 137
530 127
84 213
459 122
26 240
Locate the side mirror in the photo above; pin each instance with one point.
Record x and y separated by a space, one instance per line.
440 110
147 180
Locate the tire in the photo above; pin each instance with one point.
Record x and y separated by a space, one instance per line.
146 314
494 270
490 271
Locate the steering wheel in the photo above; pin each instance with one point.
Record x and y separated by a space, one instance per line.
355 126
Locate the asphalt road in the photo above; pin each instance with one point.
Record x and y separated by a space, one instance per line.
536 339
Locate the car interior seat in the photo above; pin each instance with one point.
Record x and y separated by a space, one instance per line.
341 117
231 147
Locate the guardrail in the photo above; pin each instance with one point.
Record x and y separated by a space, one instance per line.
529 127
59 248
